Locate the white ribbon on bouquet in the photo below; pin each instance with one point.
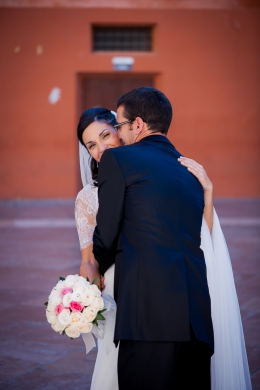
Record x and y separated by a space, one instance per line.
108 325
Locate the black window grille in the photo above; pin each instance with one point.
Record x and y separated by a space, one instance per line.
122 38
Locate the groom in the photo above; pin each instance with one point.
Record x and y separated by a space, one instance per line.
148 224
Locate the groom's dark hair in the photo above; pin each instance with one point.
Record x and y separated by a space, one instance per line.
151 105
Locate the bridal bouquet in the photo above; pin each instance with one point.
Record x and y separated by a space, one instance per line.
74 305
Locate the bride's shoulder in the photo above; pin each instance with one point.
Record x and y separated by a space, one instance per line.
88 194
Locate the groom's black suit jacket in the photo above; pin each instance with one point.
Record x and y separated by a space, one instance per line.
148 224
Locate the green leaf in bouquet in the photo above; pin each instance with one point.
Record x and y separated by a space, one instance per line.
61 278
87 279
46 303
94 281
102 311
99 317
63 332
95 322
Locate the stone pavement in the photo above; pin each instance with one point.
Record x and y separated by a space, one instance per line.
39 243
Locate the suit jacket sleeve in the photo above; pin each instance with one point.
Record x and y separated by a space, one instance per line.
111 192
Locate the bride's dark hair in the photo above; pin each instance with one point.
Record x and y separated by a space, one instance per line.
97 114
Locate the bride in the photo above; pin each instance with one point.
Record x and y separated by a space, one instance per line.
229 366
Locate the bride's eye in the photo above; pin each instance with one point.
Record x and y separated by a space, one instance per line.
106 135
91 146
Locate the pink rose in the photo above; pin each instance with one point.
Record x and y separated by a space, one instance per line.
76 306
59 308
66 290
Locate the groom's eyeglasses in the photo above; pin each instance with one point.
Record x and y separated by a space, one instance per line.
118 125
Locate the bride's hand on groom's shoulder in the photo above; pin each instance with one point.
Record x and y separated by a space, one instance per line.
198 171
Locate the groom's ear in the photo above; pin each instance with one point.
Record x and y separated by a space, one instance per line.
139 125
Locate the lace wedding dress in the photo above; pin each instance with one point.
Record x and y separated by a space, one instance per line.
105 371
229 366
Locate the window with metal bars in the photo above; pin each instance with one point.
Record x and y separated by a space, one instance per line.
122 38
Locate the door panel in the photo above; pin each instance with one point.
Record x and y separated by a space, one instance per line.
103 91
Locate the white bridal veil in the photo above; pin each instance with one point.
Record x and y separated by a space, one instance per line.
84 162
229 365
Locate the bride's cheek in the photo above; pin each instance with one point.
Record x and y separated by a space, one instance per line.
94 155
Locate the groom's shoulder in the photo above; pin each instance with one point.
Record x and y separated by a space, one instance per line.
122 157
123 152
139 150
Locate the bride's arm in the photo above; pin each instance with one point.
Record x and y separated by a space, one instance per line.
86 221
199 172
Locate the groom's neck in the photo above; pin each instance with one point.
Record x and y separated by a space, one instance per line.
147 133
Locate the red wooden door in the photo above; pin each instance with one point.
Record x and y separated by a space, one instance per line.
104 90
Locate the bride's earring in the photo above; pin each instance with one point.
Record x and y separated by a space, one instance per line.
97 164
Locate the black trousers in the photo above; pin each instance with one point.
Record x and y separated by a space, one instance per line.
151 365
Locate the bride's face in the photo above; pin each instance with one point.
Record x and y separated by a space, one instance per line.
98 137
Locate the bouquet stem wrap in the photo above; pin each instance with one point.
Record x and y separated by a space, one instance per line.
108 325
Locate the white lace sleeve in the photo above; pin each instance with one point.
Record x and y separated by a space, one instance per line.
86 207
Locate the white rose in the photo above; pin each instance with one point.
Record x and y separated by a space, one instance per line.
57 289
98 303
50 307
89 314
88 298
64 317
59 286
83 280
70 280
67 299
75 319
55 299
80 286
52 294
94 289
77 296
51 317
72 332
86 327
58 327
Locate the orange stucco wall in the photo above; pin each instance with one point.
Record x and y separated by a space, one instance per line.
206 61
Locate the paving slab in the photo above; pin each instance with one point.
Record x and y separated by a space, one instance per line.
32 257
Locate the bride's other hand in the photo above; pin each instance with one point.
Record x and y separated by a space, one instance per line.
89 267
199 172
102 283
